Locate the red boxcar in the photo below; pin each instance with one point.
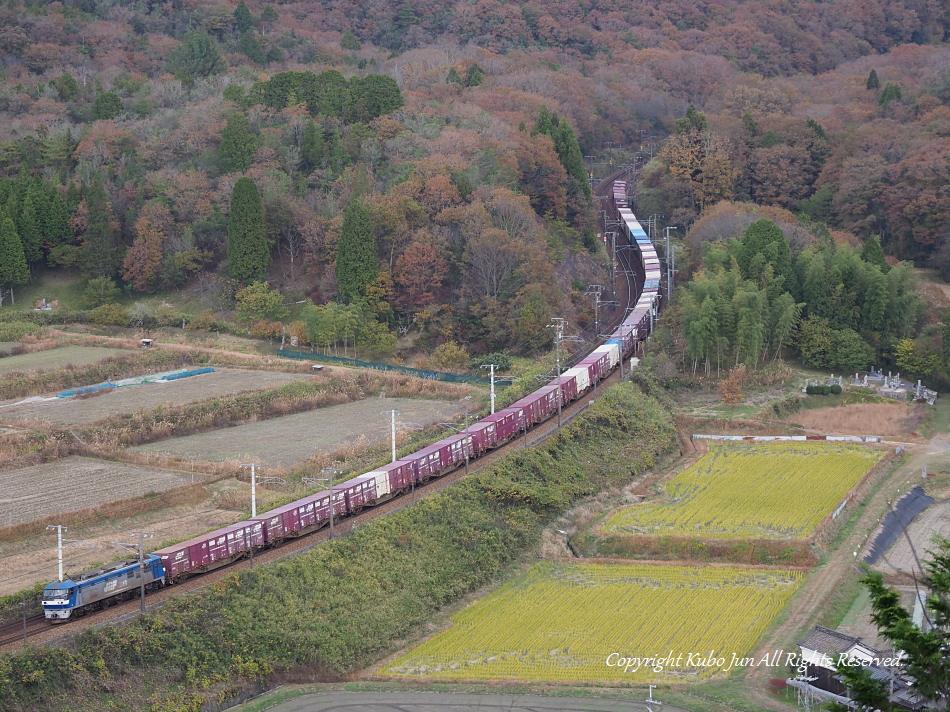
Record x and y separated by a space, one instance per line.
568 387
393 476
532 406
359 491
291 520
508 423
211 550
484 435
432 460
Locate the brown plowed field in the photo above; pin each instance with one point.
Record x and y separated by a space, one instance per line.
57 358
131 399
283 441
30 493
862 419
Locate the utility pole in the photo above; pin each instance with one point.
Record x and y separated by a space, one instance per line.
492 367
392 414
59 546
262 480
141 552
558 327
669 267
595 290
331 471
253 489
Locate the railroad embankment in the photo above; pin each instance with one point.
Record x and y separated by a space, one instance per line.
350 601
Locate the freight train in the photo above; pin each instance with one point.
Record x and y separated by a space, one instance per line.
172 564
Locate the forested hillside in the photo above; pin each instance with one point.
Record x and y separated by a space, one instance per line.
200 146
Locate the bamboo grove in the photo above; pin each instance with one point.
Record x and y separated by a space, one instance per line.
834 306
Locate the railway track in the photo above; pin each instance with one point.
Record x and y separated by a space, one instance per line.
38 631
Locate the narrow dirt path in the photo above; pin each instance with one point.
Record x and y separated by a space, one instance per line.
817 591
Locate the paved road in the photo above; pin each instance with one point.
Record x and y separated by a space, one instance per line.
440 702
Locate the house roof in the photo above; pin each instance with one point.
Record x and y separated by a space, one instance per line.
826 641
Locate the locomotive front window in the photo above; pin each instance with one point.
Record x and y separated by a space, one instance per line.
54 593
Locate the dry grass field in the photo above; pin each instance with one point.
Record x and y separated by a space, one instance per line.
280 442
862 419
31 493
131 399
25 562
57 358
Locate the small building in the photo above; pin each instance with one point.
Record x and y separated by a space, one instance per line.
823 647
146 343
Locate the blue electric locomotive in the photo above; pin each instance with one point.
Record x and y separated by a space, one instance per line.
101 587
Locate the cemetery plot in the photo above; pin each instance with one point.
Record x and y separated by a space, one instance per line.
563 622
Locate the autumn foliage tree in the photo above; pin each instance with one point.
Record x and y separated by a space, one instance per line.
420 270
143 260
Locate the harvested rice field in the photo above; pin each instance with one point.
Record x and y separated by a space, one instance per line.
30 493
280 442
57 358
148 396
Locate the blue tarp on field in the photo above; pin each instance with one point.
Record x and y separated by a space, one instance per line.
186 374
85 390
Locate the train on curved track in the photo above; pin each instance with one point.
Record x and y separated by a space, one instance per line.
96 589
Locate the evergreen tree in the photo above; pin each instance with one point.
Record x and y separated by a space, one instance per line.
370 97
243 18
313 148
475 76
251 48
73 196
453 77
99 254
108 106
694 120
566 146
891 93
356 263
13 269
873 81
238 144
764 239
350 42
874 253
66 86
248 251
54 219
196 56
28 225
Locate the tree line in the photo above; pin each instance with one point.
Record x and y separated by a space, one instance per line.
833 306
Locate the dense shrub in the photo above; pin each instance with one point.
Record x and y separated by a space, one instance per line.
16 330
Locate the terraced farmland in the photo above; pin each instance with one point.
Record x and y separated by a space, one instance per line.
562 622
777 490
